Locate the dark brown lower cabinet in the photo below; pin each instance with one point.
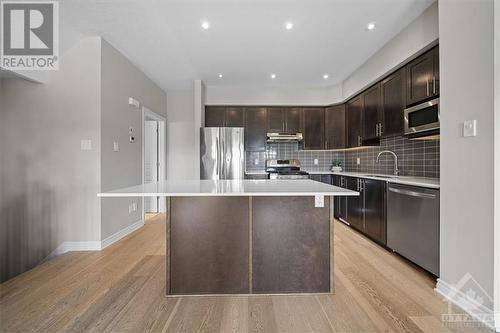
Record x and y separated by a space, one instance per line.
340 201
374 193
291 245
209 245
367 213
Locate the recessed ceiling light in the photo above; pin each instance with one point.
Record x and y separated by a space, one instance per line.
205 25
220 76
273 76
289 26
325 76
370 26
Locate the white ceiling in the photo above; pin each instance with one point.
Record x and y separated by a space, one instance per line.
247 40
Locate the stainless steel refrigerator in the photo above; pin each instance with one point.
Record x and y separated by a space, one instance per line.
222 154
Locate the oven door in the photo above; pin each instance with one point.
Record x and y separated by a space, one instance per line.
422 118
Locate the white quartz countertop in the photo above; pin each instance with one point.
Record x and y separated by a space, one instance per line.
414 181
240 187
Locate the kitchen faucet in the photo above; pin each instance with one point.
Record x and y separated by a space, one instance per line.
396 170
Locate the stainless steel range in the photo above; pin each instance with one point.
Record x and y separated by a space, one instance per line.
285 169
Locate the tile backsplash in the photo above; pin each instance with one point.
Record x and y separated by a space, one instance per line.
418 158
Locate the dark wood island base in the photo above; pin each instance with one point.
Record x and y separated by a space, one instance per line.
218 245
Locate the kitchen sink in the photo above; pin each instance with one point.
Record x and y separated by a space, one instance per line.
382 176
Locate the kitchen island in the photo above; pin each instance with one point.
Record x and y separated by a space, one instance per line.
246 236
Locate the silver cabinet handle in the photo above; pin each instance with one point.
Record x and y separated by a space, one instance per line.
434 85
427 87
359 140
413 193
376 129
380 129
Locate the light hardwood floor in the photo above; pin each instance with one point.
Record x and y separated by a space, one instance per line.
122 288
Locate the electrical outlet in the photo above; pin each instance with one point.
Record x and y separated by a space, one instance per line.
319 201
130 208
316 161
116 146
256 161
134 206
358 160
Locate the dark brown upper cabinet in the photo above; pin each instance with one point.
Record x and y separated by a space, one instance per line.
393 103
275 120
354 109
422 76
293 120
215 116
335 127
235 117
314 128
372 112
255 129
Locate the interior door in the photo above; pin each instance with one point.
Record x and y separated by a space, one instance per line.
151 162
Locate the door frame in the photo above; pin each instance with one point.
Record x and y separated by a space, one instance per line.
162 151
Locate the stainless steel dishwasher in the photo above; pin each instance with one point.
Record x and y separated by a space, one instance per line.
413 224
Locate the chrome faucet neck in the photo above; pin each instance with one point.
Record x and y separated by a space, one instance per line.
396 169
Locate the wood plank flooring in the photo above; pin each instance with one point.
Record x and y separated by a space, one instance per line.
122 288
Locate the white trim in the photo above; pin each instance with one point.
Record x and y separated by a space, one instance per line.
94 245
122 233
162 147
73 246
457 297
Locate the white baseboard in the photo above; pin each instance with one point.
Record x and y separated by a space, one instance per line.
74 246
94 245
122 233
460 299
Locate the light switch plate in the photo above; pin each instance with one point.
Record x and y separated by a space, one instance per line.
319 201
116 146
470 128
316 161
358 160
86 144
256 161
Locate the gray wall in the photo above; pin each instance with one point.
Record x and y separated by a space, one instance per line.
48 184
467 201
181 142
120 79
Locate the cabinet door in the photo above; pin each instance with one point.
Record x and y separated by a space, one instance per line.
314 128
255 129
354 117
235 117
435 84
371 112
335 127
354 205
393 103
293 120
215 116
419 75
275 120
374 209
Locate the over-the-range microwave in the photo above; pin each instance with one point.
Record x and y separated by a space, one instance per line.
422 119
